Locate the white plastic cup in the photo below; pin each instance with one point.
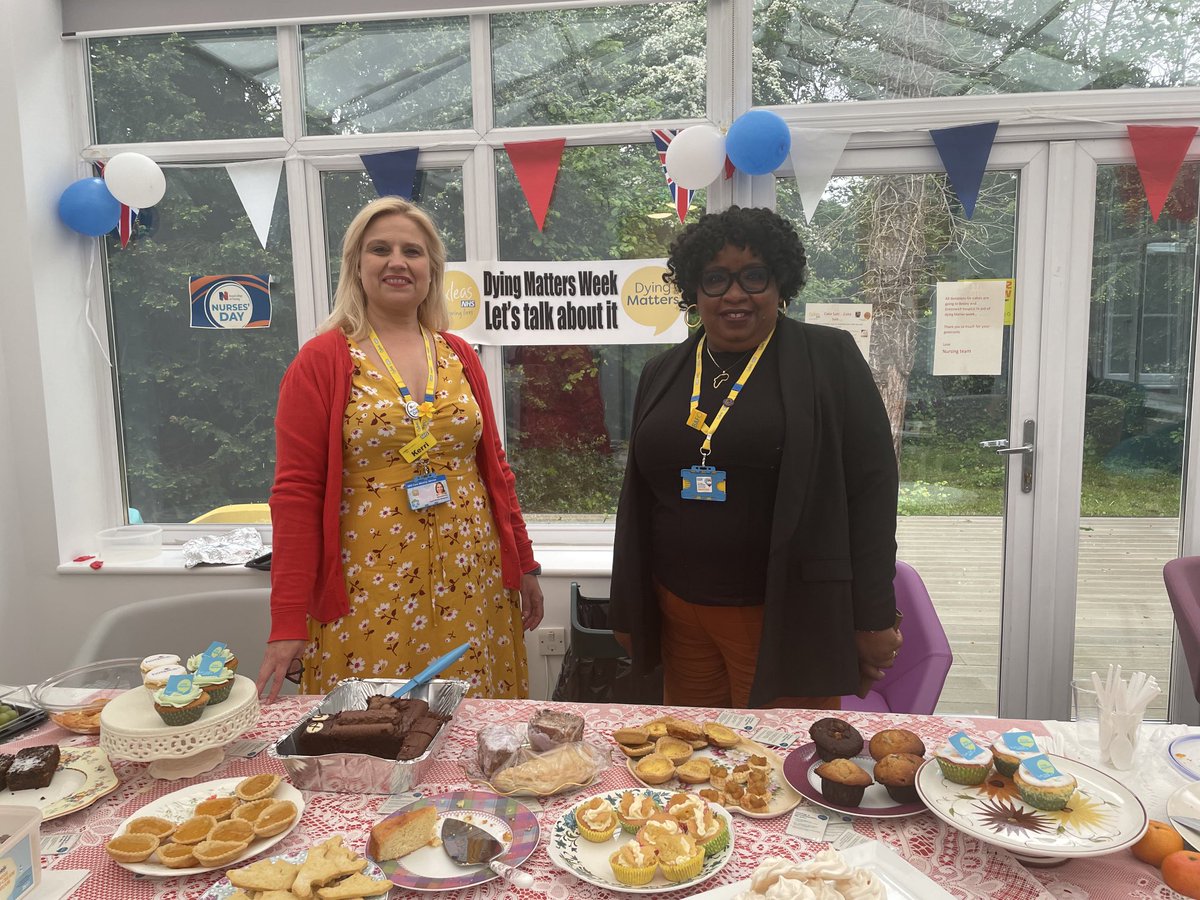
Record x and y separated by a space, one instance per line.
1086 705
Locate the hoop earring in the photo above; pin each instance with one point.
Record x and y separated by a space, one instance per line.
688 316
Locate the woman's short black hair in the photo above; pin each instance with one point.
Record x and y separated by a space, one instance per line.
763 231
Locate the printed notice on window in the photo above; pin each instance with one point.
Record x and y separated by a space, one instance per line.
852 317
969 336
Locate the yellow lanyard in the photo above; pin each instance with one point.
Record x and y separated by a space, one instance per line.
696 418
419 413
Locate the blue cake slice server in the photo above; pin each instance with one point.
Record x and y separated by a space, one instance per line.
433 669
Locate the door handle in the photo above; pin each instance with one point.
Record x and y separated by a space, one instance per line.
1025 451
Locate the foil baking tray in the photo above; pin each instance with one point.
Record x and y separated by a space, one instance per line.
359 773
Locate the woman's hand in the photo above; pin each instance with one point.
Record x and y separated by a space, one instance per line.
877 651
531 602
276 662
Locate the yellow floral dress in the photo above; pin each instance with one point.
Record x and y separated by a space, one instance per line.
420 582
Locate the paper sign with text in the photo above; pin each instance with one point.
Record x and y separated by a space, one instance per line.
230 301
855 318
545 303
969 334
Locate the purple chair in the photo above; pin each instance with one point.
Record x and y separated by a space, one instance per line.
914 682
1182 577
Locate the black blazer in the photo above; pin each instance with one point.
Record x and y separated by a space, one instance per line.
833 536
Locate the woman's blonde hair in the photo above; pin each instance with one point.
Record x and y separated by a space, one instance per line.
350 300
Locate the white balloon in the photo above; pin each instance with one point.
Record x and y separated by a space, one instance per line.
135 180
696 157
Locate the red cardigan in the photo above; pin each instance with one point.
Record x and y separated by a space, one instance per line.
307 579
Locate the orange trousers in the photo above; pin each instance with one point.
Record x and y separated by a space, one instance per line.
709 654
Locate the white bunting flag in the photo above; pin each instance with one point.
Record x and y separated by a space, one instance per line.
815 155
257 183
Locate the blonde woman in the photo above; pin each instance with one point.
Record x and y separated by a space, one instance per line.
397 531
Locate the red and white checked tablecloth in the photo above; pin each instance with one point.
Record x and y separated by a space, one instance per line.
962 865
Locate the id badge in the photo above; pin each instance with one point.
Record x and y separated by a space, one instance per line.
703 483
418 446
427 490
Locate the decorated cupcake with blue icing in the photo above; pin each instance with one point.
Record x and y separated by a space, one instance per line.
1042 785
963 761
214 678
220 651
181 702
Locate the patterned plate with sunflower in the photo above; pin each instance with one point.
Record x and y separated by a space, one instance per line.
1103 816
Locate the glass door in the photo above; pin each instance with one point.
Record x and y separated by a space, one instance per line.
884 241
1138 371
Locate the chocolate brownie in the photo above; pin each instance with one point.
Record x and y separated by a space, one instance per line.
34 767
5 761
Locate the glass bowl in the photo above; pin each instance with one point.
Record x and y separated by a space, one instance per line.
75 697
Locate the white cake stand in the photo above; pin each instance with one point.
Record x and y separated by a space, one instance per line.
131 729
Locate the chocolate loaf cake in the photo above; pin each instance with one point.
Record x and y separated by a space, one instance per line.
33 767
387 728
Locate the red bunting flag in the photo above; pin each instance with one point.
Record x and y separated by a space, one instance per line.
1159 151
681 198
128 220
536 166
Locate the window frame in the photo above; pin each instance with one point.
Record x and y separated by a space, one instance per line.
899 125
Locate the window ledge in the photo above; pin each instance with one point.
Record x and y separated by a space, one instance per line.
168 562
557 560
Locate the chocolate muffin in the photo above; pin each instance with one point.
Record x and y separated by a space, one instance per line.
835 739
898 772
843 782
896 740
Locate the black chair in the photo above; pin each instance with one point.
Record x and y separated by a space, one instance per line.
588 641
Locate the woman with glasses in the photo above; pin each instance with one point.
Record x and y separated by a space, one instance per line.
755 542
397 531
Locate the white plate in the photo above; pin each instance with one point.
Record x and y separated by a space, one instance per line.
588 860
223 889
1184 754
84 775
1186 802
1103 815
177 806
902 881
783 798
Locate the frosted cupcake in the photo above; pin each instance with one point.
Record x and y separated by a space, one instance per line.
1049 792
634 864
596 818
961 768
658 826
224 654
156 679
634 810
158 659
1006 757
217 686
707 829
180 708
680 857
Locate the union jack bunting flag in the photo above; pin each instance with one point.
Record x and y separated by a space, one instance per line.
681 197
126 224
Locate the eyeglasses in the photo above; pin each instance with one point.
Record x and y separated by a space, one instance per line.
295 671
753 280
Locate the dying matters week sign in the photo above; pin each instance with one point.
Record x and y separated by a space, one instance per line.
607 302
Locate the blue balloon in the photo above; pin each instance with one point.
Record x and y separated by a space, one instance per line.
758 142
88 207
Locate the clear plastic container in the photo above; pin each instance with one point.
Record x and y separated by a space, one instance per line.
20 851
130 543
28 713
74 698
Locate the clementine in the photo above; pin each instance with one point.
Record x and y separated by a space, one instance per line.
1181 872
1159 840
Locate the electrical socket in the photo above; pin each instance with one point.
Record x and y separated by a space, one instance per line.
552 641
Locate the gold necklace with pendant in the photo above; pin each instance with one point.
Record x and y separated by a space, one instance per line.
723 375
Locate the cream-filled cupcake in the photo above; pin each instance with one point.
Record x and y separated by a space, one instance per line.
596 818
635 809
680 857
634 864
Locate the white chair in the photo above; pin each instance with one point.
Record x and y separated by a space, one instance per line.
185 624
